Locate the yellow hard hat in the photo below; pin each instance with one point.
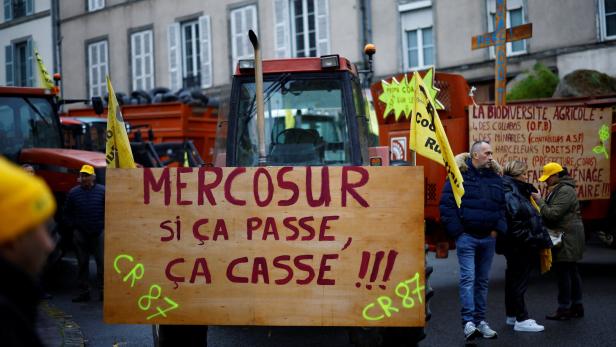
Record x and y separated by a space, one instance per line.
25 201
550 169
87 169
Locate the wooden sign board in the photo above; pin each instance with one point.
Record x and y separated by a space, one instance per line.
289 246
576 137
520 32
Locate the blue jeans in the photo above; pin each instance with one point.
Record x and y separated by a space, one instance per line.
475 259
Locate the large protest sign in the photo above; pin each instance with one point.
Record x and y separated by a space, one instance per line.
316 246
576 137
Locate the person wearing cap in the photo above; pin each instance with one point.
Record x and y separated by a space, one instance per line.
84 212
561 212
26 204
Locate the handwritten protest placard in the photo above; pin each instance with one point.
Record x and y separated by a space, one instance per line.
315 246
574 136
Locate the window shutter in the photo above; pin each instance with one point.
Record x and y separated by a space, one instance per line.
237 41
250 23
30 64
281 28
8 61
242 20
206 52
175 68
322 27
136 63
8 10
29 7
148 60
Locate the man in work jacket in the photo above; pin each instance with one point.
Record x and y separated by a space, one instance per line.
474 226
85 213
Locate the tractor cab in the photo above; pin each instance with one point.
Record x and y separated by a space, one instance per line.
314 115
27 120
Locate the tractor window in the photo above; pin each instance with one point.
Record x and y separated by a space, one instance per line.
26 122
97 136
305 123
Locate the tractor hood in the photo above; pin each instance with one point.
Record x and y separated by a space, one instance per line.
60 167
67 158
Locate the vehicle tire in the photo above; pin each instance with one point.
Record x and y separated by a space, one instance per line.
610 230
155 337
142 96
159 91
179 335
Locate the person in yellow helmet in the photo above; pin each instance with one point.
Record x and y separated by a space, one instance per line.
84 211
561 212
26 205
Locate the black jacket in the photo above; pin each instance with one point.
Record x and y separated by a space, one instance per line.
525 228
84 209
483 203
19 298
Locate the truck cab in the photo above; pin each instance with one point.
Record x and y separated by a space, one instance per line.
315 114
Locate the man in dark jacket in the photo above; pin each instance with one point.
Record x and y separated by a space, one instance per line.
25 206
474 226
85 213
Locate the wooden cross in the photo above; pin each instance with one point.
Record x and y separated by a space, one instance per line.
499 38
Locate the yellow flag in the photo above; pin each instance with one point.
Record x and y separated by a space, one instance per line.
118 152
428 136
44 77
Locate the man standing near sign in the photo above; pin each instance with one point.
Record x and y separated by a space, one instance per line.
26 203
474 226
85 213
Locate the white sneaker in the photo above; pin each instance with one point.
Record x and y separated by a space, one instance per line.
528 325
486 331
470 331
510 320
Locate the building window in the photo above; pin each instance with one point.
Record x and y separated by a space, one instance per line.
242 20
190 54
417 34
19 64
303 25
94 5
97 68
515 17
17 8
607 14
301 28
420 48
142 60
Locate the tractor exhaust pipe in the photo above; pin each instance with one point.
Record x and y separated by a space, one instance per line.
259 96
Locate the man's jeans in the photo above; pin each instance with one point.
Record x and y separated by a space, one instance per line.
475 259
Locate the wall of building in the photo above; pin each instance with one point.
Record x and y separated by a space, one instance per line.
78 27
602 59
39 29
456 22
386 37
